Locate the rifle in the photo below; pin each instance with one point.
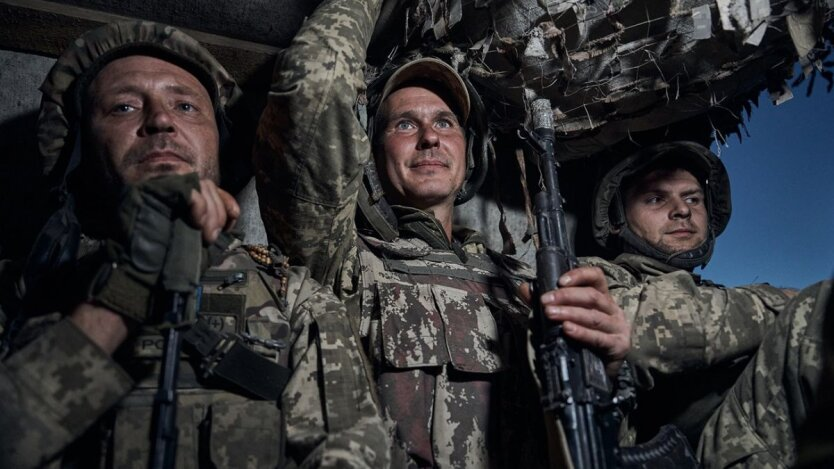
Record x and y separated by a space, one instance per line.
574 384
180 278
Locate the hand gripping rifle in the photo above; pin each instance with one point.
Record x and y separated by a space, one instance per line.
574 385
180 278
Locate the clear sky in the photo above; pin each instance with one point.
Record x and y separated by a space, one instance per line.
782 177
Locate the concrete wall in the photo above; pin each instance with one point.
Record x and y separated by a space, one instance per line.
21 186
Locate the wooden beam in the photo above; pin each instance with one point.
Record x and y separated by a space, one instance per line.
46 28
272 22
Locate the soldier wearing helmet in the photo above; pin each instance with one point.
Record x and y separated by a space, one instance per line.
133 126
443 328
667 202
718 362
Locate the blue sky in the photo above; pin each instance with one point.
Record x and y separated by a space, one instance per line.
782 177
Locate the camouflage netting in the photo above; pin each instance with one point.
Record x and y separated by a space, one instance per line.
617 67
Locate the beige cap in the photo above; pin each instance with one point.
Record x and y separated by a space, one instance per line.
434 70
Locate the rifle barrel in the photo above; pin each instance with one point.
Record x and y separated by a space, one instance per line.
164 447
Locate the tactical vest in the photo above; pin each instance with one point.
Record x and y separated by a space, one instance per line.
432 308
432 312
232 372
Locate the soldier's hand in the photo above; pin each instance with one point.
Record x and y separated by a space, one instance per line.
212 210
589 315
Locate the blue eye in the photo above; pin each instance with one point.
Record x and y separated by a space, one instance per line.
403 125
187 107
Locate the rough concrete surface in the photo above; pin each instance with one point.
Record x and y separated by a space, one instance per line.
20 76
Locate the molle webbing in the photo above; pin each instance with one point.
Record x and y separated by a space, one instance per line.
481 271
227 357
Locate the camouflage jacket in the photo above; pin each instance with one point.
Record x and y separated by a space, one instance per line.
440 322
691 338
67 402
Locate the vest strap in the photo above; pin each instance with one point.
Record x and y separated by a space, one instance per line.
487 275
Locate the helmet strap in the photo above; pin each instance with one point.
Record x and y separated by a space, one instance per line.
686 260
374 215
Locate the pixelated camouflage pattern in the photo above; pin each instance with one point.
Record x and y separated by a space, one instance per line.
60 384
53 390
58 103
446 351
310 147
690 339
816 435
448 345
756 425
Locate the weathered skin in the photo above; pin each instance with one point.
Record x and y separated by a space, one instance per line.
445 337
65 401
691 342
64 397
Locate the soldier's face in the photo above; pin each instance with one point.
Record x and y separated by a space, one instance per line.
666 208
149 117
423 149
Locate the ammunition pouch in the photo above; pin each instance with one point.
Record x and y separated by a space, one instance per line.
228 358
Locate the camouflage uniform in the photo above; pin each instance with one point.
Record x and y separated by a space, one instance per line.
67 403
690 338
756 424
445 334
735 368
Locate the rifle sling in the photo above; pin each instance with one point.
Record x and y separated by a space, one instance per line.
228 358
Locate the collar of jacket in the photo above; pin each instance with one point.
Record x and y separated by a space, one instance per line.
644 267
416 223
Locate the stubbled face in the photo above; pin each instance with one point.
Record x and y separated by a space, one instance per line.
149 117
666 208
423 149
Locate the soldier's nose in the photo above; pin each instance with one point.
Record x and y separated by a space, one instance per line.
680 210
428 139
158 119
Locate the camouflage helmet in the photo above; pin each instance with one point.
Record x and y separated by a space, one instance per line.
464 101
609 221
65 85
59 126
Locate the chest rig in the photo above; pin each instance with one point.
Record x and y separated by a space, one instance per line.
424 307
232 373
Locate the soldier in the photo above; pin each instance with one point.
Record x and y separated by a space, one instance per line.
723 364
271 373
445 332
